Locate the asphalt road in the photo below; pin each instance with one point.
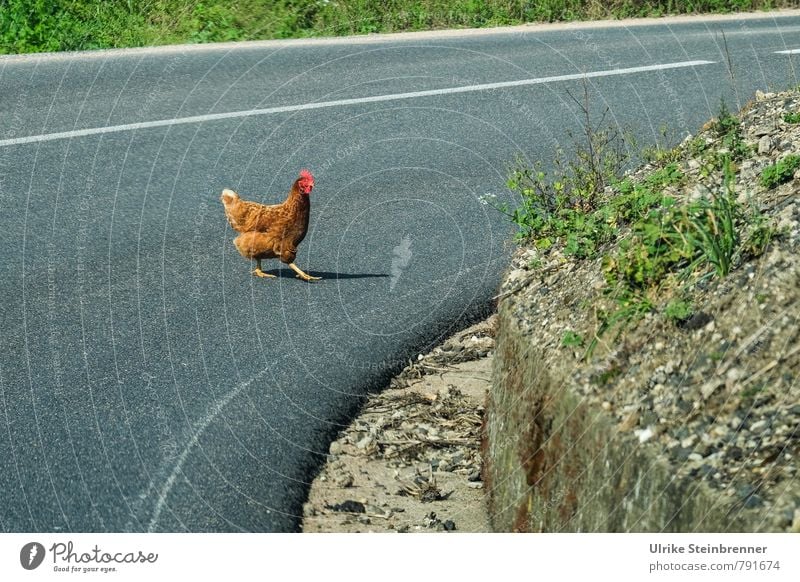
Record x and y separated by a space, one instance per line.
147 381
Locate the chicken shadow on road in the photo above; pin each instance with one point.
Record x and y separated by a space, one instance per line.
289 274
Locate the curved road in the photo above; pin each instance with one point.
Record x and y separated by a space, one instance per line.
147 381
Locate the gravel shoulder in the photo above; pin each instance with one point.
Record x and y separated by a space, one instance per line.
410 462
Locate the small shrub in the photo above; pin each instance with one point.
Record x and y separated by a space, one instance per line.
669 175
780 172
567 206
678 310
697 146
571 339
729 129
606 377
751 392
760 232
791 117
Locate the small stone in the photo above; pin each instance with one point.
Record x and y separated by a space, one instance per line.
658 377
449 525
796 521
365 442
681 454
376 511
343 480
759 427
696 321
720 430
753 501
348 506
734 453
707 389
606 405
336 448
764 145
630 422
747 493
784 518
706 471
699 192
516 275
734 374
695 457
475 484
644 435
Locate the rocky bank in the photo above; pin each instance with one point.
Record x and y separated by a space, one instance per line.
671 423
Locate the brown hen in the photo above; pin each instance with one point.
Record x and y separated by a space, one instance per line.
272 231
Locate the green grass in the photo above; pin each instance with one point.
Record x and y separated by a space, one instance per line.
58 25
654 247
780 172
678 310
791 117
728 128
571 339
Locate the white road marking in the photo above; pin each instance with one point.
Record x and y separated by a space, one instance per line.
343 102
789 52
201 428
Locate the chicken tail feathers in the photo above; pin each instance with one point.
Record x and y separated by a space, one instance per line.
230 200
228 197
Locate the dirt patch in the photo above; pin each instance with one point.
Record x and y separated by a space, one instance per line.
410 462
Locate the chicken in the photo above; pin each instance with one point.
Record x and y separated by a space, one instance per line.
272 231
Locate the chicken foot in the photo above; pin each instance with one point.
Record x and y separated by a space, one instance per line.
259 273
301 274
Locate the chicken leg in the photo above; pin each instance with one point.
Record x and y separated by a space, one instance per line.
259 273
301 274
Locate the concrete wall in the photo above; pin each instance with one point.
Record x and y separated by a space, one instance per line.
554 465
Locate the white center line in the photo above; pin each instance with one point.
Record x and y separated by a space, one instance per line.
789 52
343 102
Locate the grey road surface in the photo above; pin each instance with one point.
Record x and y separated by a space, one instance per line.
148 382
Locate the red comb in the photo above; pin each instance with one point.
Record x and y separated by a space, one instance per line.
306 175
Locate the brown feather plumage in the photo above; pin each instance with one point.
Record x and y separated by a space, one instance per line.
270 231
